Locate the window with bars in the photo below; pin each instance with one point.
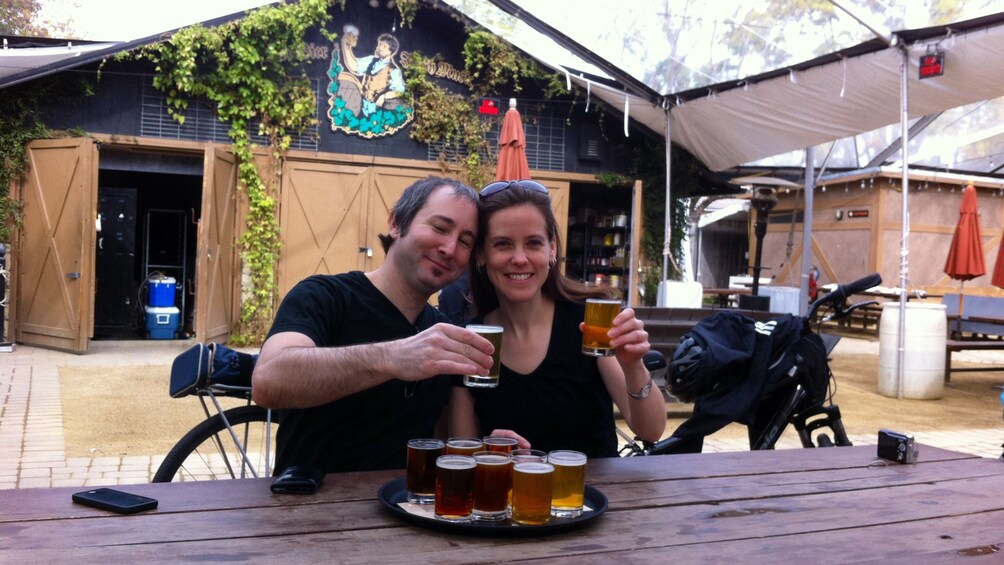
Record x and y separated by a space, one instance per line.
544 128
202 123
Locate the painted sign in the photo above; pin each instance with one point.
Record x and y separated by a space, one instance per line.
366 93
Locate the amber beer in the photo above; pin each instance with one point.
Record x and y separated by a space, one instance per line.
569 483
421 476
531 492
463 446
500 444
494 335
600 314
454 487
492 477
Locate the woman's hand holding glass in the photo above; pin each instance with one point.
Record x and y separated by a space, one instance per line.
628 337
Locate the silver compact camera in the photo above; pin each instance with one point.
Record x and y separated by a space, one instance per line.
897 447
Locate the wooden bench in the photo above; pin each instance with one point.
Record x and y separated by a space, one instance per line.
866 316
980 327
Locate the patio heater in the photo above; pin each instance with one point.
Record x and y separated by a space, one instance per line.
763 200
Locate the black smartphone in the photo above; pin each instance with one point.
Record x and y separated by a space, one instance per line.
298 480
114 500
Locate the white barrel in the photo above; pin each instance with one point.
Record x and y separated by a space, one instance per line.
924 350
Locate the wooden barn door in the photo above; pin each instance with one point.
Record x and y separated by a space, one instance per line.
216 304
55 297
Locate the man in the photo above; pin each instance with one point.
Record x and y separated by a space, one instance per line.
360 359
374 82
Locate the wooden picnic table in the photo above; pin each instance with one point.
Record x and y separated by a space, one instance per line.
793 506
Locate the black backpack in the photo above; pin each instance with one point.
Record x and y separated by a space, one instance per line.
728 362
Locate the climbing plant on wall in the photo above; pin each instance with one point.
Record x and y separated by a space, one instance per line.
20 123
251 70
449 118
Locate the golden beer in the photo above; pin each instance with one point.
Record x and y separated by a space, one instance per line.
492 477
600 314
463 446
569 483
421 477
454 487
494 335
531 492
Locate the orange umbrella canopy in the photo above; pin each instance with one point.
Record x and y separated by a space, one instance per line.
965 257
512 163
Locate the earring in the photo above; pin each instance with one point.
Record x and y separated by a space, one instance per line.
480 266
553 261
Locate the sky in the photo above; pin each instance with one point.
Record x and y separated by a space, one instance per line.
122 20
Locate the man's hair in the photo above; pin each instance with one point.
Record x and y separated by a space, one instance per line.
415 197
391 41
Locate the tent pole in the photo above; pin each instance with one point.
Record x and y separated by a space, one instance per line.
668 234
904 264
807 218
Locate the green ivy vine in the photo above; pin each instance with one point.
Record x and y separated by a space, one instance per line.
444 117
251 71
20 123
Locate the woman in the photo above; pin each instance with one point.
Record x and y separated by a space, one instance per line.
549 392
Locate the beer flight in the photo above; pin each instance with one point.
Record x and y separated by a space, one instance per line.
489 480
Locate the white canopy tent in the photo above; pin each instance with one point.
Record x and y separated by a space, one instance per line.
855 90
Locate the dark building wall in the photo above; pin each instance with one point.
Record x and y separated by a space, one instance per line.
117 106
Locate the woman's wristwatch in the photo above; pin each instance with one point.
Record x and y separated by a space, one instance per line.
644 392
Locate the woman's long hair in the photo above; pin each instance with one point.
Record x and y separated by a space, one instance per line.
557 286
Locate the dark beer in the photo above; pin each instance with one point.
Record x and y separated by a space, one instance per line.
492 477
454 487
421 475
494 335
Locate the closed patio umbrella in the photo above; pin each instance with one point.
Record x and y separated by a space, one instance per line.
965 256
512 163
998 275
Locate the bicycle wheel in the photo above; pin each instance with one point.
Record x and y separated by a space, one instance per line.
208 451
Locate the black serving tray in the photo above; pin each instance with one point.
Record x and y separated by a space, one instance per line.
395 492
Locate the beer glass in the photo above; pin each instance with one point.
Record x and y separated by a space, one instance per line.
531 492
421 477
500 444
494 335
569 483
454 487
491 485
600 314
518 455
463 446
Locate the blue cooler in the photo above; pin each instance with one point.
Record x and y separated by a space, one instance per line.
162 323
161 293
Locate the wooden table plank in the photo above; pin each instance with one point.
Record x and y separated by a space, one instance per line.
783 504
671 531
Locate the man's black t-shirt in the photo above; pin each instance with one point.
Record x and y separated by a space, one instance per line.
370 429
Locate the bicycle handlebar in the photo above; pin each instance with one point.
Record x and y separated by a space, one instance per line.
839 295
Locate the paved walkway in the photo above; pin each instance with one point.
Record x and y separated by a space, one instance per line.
31 422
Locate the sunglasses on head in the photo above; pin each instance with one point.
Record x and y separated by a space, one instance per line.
504 184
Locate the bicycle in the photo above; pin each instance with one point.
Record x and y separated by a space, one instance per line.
793 393
234 443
